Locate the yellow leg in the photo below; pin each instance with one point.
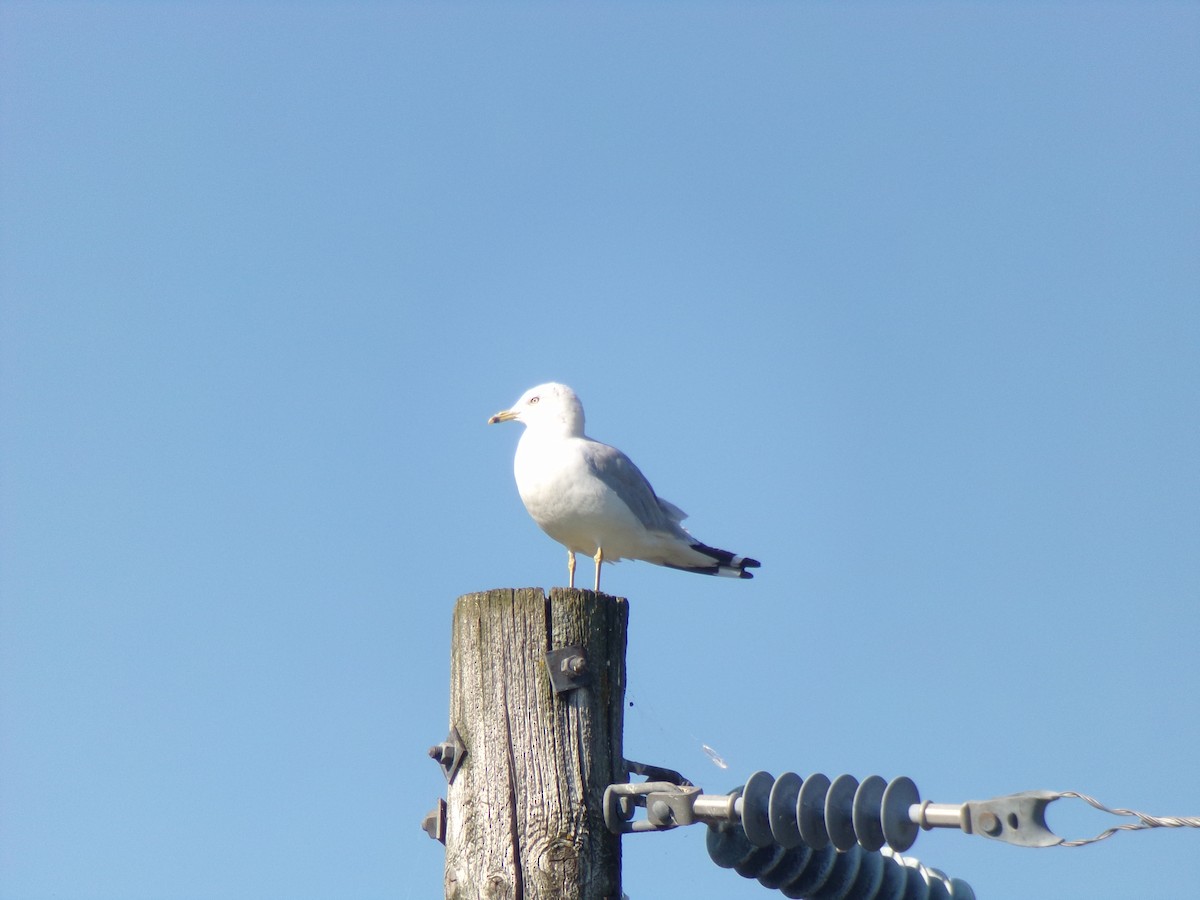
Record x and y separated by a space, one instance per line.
598 559
571 568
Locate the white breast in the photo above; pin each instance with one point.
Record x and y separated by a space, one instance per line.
570 503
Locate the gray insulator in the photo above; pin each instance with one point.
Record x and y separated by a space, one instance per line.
839 812
826 874
756 804
783 810
790 811
868 812
810 811
899 830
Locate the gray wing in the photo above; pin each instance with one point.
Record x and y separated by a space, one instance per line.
620 475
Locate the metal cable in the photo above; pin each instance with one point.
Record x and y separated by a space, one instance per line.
1144 820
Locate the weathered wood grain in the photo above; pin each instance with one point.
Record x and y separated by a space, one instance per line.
524 818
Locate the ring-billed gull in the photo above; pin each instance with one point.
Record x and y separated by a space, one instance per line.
592 499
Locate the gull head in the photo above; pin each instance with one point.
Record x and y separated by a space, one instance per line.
549 407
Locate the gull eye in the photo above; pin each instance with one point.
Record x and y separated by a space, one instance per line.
533 400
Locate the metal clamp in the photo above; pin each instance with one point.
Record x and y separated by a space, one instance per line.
1018 819
667 805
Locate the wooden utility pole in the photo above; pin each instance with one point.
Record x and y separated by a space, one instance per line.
525 817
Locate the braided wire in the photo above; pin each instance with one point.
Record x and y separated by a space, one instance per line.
1144 820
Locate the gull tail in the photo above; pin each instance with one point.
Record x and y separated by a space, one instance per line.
727 564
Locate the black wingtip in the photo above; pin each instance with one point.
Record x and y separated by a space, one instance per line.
729 565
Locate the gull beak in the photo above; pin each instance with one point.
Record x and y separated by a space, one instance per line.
506 416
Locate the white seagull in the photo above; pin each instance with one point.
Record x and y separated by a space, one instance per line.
592 499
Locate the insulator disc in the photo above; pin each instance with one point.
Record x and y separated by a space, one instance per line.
727 845
899 830
839 812
868 801
783 812
917 885
843 875
819 866
960 890
810 811
756 796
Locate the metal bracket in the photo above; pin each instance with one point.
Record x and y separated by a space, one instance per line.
449 754
625 799
667 805
655 773
1018 819
1015 819
434 823
568 669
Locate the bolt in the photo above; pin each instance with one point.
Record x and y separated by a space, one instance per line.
443 754
434 823
573 665
989 824
660 812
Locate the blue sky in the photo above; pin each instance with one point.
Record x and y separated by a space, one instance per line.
900 299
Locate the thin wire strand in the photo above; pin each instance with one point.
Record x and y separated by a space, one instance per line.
1144 820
